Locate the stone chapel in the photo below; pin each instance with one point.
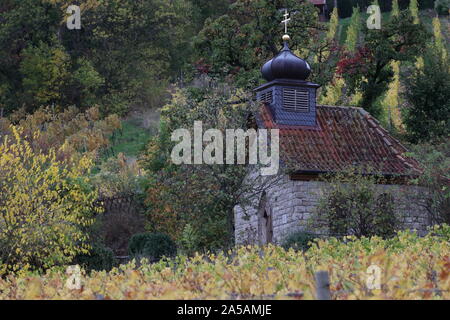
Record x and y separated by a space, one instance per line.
319 140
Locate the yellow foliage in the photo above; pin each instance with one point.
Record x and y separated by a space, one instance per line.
71 133
334 25
334 92
414 10
44 204
391 101
411 268
439 40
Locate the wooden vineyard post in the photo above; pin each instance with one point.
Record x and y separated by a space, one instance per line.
322 285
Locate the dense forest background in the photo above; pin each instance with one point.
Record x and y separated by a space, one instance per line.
128 53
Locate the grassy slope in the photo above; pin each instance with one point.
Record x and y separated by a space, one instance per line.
132 140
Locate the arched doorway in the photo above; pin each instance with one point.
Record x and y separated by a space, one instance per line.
265 222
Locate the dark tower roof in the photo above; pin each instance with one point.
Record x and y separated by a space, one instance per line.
286 65
290 96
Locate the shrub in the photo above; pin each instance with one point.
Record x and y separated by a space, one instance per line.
71 133
299 240
190 240
353 205
100 258
152 245
117 178
435 161
45 206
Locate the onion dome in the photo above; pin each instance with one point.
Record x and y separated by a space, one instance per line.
286 65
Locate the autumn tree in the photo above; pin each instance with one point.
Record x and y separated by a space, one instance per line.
24 24
204 9
45 73
45 206
414 9
391 102
239 42
331 94
334 92
395 8
439 40
334 25
427 112
368 70
442 7
126 52
72 134
427 116
353 31
198 200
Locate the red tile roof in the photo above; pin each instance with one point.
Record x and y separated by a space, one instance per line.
343 137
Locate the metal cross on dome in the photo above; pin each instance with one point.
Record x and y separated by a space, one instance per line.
286 21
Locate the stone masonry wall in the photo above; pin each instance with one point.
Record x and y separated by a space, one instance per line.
293 202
